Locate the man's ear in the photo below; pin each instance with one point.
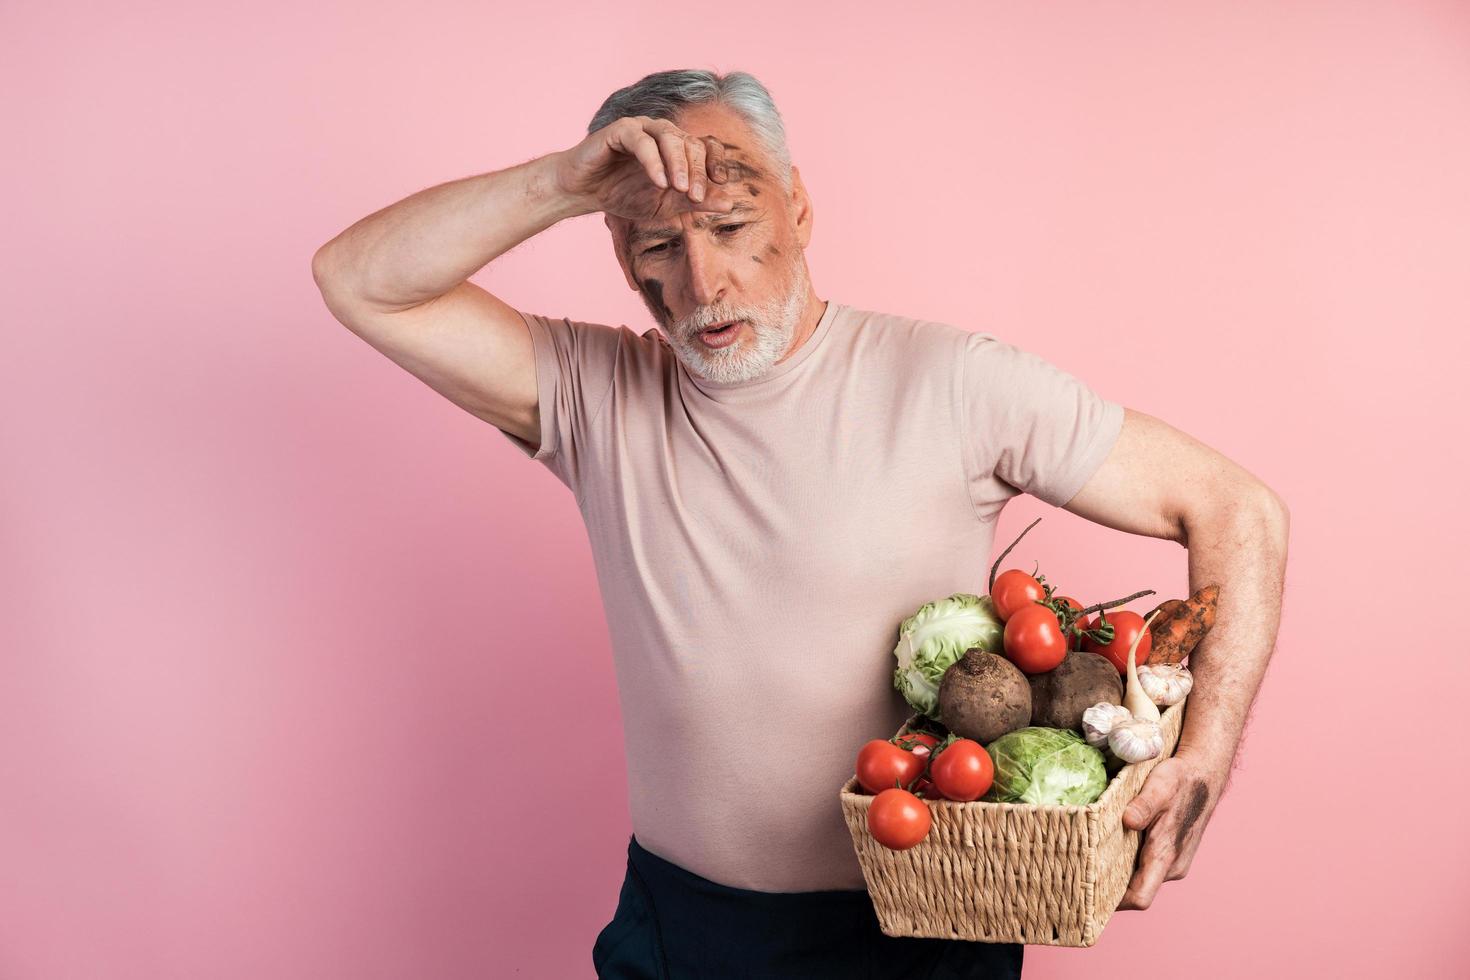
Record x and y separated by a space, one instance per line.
801 205
624 259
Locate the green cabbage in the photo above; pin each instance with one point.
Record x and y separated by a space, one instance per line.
935 637
1046 765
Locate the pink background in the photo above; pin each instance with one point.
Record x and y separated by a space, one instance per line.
305 673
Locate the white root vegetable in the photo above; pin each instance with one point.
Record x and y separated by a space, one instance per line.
1132 730
1139 704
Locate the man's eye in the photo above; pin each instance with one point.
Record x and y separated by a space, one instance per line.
663 246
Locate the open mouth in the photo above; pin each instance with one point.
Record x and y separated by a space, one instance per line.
724 335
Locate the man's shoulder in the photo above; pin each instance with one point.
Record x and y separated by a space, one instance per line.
906 335
646 356
601 340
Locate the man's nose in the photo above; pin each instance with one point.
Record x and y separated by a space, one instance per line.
706 272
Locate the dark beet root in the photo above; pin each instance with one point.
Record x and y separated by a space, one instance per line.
983 696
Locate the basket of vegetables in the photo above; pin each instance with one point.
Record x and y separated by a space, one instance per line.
995 814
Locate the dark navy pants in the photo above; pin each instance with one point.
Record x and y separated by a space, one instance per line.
672 924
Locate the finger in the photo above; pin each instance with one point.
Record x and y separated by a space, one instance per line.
1158 790
715 160
1154 862
694 148
1142 890
644 148
1184 858
676 162
716 199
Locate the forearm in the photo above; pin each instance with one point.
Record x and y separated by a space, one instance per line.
1241 547
428 243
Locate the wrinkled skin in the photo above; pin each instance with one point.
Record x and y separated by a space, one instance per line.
1172 810
714 266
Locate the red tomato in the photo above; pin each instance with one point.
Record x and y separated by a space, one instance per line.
963 771
898 819
1014 590
1126 625
880 764
1074 642
1033 640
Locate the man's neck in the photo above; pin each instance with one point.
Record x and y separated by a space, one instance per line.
815 310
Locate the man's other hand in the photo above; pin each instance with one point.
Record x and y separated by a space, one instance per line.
1171 810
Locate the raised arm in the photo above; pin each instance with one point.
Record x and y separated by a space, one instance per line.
398 278
1161 482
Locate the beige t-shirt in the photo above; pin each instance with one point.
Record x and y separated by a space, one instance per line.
757 545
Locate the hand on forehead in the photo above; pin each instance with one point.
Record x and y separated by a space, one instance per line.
736 175
740 155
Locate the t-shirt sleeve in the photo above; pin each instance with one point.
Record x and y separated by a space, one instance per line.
575 362
1028 426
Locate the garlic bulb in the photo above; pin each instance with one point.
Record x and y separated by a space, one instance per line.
1165 684
1102 718
1136 741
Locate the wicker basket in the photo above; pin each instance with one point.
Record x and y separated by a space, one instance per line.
1007 872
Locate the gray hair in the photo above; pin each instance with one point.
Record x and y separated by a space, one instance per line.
664 94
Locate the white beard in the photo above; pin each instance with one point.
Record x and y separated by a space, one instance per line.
773 324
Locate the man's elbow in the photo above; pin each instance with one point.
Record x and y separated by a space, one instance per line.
338 287
1276 516
321 266
1252 509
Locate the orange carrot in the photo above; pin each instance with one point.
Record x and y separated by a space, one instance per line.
1165 610
1177 632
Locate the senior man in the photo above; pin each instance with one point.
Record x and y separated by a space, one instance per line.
770 482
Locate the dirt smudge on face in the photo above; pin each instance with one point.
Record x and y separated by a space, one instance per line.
654 290
737 169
